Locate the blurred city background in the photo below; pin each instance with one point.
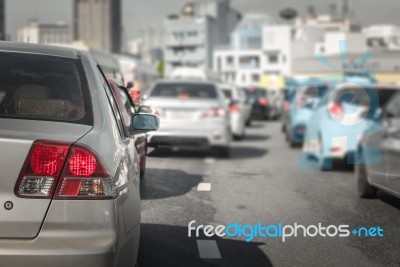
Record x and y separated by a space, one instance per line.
281 38
249 79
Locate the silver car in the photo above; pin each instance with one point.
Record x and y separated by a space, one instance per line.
239 110
69 170
193 113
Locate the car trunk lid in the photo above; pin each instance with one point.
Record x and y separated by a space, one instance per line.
23 217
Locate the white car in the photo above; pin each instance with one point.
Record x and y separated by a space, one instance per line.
193 114
239 110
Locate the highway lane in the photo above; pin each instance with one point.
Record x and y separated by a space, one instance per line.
261 183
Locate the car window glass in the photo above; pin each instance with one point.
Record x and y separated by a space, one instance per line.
114 107
42 87
393 107
184 90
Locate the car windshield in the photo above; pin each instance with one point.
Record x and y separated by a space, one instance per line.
43 87
227 93
184 90
256 92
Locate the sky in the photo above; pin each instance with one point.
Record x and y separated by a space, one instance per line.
144 14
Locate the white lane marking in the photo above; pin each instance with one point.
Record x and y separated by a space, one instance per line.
209 160
208 249
204 187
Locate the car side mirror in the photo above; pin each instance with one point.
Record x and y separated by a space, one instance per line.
378 114
143 123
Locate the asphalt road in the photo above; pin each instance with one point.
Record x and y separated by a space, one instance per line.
263 183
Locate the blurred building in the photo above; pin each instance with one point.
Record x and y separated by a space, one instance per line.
383 37
34 32
148 46
99 24
260 48
241 61
2 20
190 39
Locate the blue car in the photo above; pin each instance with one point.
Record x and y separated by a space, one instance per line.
345 112
301 98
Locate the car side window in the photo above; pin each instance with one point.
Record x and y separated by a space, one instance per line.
113 104
392 109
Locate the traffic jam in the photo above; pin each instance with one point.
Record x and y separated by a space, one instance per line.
234 139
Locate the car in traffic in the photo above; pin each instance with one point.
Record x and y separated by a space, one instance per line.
193 114
341 118
69 171
378 152
239 110
299 111
127 108
260 104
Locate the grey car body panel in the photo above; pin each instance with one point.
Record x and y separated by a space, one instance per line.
16 138
74 232
191 123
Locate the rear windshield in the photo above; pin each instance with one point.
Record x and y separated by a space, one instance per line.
185 90
255 92
315 91
42 87
353 95
227 93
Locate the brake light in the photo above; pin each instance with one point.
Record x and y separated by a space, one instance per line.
215 112
183 96
301 102
263 101
73 173
41 169
84 177
234 108
286 106
335 109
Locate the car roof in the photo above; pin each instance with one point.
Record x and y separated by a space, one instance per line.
186 81
39 49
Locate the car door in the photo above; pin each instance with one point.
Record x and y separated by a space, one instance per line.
128 159
391 145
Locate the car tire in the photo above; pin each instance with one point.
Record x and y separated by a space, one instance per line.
364 189
290 141
222 152
283 128
238 137
325 164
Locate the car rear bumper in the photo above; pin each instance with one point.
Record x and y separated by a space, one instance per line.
260 111
66 241
190 134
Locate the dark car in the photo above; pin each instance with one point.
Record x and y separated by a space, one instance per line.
126 106
260 104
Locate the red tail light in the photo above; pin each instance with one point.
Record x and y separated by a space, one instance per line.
335 109
286 106
216 112
234 108
263 101
84 177
76 173
41 169
183 96
301 102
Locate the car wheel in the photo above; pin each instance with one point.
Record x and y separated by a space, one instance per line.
324 163
237 137
365 190
222 152
290 140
